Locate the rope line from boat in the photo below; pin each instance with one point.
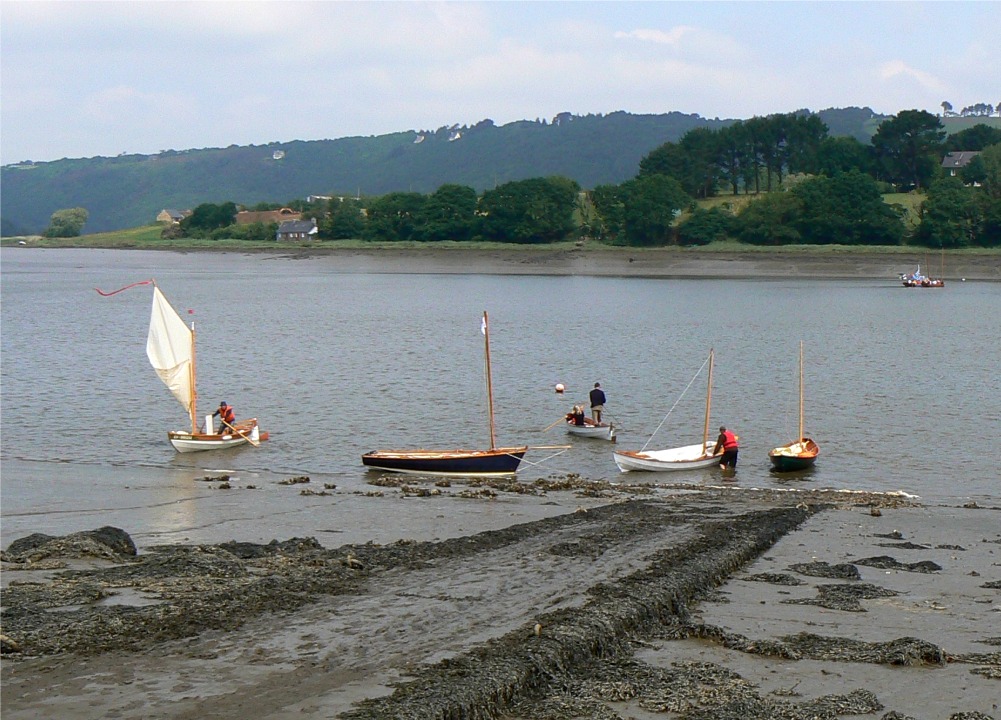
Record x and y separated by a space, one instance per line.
550 457
680 397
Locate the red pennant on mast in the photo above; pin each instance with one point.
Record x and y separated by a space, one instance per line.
115 292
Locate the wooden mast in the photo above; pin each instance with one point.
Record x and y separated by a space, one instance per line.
193 406
490 389
709 393
800 391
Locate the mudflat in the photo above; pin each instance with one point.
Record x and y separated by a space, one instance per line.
661 262
606 601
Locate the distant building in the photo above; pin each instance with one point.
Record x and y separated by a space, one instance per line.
296 230
247 217
172 217
955 161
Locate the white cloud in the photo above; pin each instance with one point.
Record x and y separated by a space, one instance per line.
898 69
671 37
149 75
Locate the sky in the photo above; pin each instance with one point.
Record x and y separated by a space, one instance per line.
83 79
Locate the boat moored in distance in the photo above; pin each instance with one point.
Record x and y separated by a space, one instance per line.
916 279
464 463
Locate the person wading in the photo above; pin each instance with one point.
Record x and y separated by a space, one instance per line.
728 441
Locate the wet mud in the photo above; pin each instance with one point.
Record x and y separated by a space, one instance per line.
564 617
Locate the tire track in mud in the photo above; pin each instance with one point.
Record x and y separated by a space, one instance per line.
306 629
492 677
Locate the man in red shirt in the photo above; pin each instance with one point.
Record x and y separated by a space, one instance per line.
728 441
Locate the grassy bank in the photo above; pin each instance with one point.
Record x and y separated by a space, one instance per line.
148 238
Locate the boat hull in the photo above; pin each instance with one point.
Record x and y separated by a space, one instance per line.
498 462
689 457
246 431
795 456
601 432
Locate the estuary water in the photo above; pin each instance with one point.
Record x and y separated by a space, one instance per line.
902 386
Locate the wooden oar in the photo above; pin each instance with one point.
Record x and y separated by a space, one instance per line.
244 436
562 419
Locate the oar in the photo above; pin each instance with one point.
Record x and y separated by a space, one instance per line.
562 419
244 436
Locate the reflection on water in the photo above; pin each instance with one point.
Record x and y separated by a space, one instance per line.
900 385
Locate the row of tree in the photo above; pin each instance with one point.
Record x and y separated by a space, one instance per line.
975 110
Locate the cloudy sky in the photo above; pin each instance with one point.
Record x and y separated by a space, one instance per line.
80 79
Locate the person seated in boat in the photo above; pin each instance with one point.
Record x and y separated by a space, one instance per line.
227 415
728 442
597 398
576 415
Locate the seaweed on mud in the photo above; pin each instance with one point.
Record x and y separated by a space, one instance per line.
885 562
774 579
992 585
977 658
905 546
842 571
688 690
109 543
901 651
726 638
843 597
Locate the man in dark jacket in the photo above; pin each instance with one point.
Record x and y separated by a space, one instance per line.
597 403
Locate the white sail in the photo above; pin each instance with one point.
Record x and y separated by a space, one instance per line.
171 350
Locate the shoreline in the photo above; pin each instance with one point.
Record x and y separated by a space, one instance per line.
668 263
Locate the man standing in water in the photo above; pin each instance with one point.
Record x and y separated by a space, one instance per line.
728 441
597 403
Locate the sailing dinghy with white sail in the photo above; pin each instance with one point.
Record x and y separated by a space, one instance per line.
170 347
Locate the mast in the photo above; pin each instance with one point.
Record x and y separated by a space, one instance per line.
490 390
709 393
193 406
800 391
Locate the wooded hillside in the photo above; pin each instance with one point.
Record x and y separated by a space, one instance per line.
130 190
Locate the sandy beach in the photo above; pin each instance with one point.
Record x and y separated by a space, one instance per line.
597 600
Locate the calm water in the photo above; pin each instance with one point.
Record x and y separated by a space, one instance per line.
902 386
